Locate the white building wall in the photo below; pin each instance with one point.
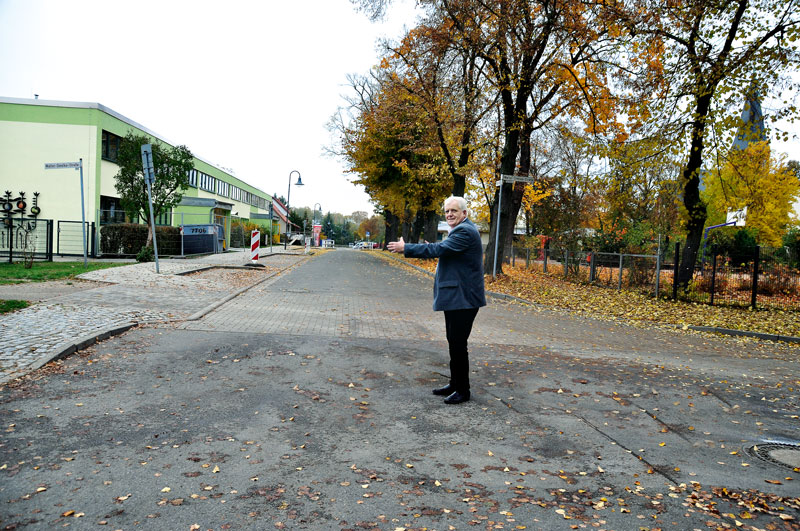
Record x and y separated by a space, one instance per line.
25 147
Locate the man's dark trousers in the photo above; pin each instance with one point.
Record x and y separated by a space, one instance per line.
458 324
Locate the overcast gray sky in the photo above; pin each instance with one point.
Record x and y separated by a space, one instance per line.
244 84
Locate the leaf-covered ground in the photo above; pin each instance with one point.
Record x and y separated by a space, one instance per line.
605 303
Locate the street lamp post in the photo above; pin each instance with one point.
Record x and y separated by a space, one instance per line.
288 193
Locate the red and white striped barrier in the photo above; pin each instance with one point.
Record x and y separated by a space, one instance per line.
255 243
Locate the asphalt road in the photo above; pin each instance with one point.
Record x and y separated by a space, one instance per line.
305 403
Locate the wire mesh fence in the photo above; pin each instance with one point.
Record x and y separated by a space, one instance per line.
723 280
613 270
717 280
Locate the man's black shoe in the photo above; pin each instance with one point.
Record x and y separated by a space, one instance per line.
457 397
444 391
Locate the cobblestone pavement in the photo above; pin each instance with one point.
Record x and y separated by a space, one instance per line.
122 296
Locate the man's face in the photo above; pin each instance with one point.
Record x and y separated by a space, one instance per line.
452 214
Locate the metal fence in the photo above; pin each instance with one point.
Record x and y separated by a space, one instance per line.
69 238
614 270
177 234
717 280
180 234
723 280
27 238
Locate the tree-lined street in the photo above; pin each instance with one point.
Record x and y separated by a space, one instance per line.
305 403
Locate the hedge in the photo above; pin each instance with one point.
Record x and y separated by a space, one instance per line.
129 238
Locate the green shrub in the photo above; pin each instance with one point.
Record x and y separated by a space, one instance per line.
744 247
127 239
791 247
146 254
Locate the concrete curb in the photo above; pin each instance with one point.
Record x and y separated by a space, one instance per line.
68 348
63 350
744 333
708 329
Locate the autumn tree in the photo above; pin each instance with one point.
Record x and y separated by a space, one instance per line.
755 179
390 146
538 60
447 81
375 226
692 62
568 164
640 193
172 166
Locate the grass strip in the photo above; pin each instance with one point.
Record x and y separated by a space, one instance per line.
12 305
16 273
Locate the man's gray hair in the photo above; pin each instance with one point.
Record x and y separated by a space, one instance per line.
460 201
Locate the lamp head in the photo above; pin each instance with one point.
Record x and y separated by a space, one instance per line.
299 181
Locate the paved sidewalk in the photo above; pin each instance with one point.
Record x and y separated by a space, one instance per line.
121 298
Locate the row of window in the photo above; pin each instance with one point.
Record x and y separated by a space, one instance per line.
206 182
197 179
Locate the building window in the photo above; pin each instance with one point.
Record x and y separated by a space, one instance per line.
207 182
111 210
110 147
193 178
223 188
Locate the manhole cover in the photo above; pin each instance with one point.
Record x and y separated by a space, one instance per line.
783 454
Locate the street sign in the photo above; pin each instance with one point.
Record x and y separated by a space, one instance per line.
518 178
367 235
147 163
61 165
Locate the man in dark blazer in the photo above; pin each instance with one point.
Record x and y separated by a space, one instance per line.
457 289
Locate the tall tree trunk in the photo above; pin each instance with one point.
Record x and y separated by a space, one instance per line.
431 231
516 142
392 223
695 207
406 226
417 226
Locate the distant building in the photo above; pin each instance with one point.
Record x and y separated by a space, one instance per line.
752 128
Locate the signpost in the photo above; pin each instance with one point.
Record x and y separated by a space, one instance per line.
150 178
77 166
505 179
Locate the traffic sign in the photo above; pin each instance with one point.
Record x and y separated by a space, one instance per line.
61 165
147 163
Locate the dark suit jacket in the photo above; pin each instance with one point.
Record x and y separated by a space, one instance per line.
458 284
